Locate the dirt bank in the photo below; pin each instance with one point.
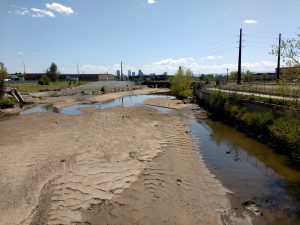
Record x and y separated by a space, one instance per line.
117 166
167 103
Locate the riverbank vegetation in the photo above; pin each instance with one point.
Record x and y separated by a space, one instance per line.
280 129
5 102
181 83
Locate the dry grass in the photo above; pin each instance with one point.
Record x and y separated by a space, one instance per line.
35 87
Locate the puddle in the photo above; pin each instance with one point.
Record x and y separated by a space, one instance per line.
126 101
38 109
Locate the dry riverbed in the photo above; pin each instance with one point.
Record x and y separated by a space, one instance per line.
119 166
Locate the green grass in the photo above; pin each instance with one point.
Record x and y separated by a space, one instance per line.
285 131
292 91
282 130
35 87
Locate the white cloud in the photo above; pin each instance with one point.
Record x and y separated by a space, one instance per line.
212 57
20 53
60 8
250 21
197 66
170 65
42 13
151 2
21 12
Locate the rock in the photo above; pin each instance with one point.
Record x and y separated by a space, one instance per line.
179 181
251 206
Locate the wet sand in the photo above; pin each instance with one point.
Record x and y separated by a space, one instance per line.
167 103
116 166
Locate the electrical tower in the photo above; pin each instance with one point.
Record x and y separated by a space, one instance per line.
278 62
240 59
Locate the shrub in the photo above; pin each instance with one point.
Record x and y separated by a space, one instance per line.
2 88
258 121
186 93
103 89
285 132
7 103
218 101
44 80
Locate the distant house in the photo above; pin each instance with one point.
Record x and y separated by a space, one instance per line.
33 76
13 77
290 73
264 76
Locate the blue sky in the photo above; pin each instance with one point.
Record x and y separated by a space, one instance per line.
152 35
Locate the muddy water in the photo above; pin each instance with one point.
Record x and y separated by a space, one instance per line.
249 169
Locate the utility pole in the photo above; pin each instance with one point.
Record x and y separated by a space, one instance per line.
278 62
240 59
77 69
121 70
24 68
227 77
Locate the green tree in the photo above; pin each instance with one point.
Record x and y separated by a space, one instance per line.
290 51
248 76
44 80
53 72
181 83
3 75
2 88
233 75
290 55
3 71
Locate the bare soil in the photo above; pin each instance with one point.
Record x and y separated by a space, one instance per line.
116 166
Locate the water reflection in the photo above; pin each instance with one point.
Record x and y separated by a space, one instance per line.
248 168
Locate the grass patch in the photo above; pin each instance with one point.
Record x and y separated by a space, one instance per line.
285 131
35 87
8 102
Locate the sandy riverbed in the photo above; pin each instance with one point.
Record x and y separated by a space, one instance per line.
119 166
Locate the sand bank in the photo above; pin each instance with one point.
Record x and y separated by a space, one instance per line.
118 166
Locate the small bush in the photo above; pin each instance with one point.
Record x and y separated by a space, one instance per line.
218 101
103 89
285 132
185 94
2 88
44 80
7 103
258 121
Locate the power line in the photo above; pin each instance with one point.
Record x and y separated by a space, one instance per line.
212 46
260 36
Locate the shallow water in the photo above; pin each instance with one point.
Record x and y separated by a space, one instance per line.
38 109
249 169
126 101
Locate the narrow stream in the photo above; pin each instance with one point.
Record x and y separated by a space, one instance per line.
249 169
